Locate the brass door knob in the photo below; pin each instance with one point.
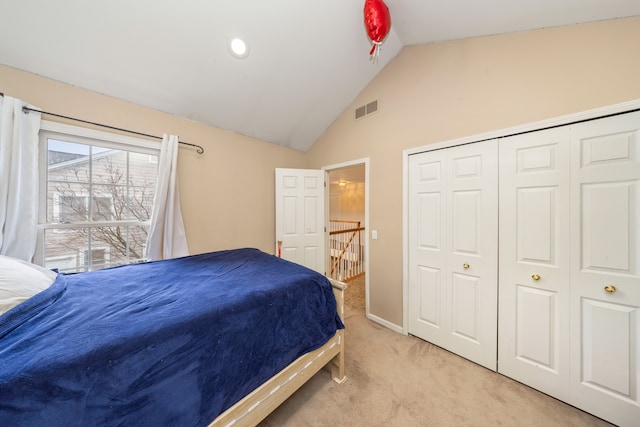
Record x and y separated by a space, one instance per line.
610 289
466 266
535 276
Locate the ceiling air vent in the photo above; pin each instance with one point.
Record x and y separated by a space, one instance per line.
365 110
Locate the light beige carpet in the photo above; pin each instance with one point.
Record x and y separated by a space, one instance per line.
354 296
397 380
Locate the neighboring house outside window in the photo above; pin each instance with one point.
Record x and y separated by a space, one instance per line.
96 198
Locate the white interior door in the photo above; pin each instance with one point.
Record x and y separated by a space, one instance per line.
533 328
300 212
453 225
605 300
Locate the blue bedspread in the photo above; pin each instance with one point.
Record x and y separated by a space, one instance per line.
166 343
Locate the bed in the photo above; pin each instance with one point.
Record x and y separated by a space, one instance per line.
216 339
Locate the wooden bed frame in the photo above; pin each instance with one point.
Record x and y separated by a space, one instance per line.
266 398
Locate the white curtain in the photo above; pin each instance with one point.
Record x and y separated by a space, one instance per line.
18 178
167 238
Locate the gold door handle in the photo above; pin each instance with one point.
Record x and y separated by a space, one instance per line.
466 266
535 276
610 289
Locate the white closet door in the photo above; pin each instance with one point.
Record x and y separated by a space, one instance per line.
534 273
605 301
427 251
453 250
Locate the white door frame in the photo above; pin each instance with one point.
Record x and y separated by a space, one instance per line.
364 161
530 127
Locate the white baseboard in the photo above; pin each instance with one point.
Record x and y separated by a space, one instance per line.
386 323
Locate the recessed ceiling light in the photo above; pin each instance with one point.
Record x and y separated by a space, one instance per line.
238 47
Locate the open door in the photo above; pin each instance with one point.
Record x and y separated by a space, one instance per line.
300 213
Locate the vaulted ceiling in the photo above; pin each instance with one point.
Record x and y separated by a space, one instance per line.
307 61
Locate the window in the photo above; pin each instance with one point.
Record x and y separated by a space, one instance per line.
96 198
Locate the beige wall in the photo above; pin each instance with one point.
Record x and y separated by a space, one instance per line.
437 92
227 193
351 201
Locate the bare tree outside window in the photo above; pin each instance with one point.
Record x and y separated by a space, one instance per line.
99 203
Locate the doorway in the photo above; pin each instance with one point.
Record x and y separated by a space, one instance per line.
348 227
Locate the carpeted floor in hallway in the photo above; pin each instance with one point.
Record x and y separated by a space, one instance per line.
354 296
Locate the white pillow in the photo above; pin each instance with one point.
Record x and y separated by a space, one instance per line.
20 280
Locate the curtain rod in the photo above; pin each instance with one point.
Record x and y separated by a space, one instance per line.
199 148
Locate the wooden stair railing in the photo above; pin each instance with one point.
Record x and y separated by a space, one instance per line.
347 250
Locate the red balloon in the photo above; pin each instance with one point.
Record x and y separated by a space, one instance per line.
377 22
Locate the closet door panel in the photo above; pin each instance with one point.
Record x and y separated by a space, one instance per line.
429 205
429 280
536 232
472 262
605 299
466 213
466 311
607 226
427 253
533 330
606 331
429 290
453 250
536 328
